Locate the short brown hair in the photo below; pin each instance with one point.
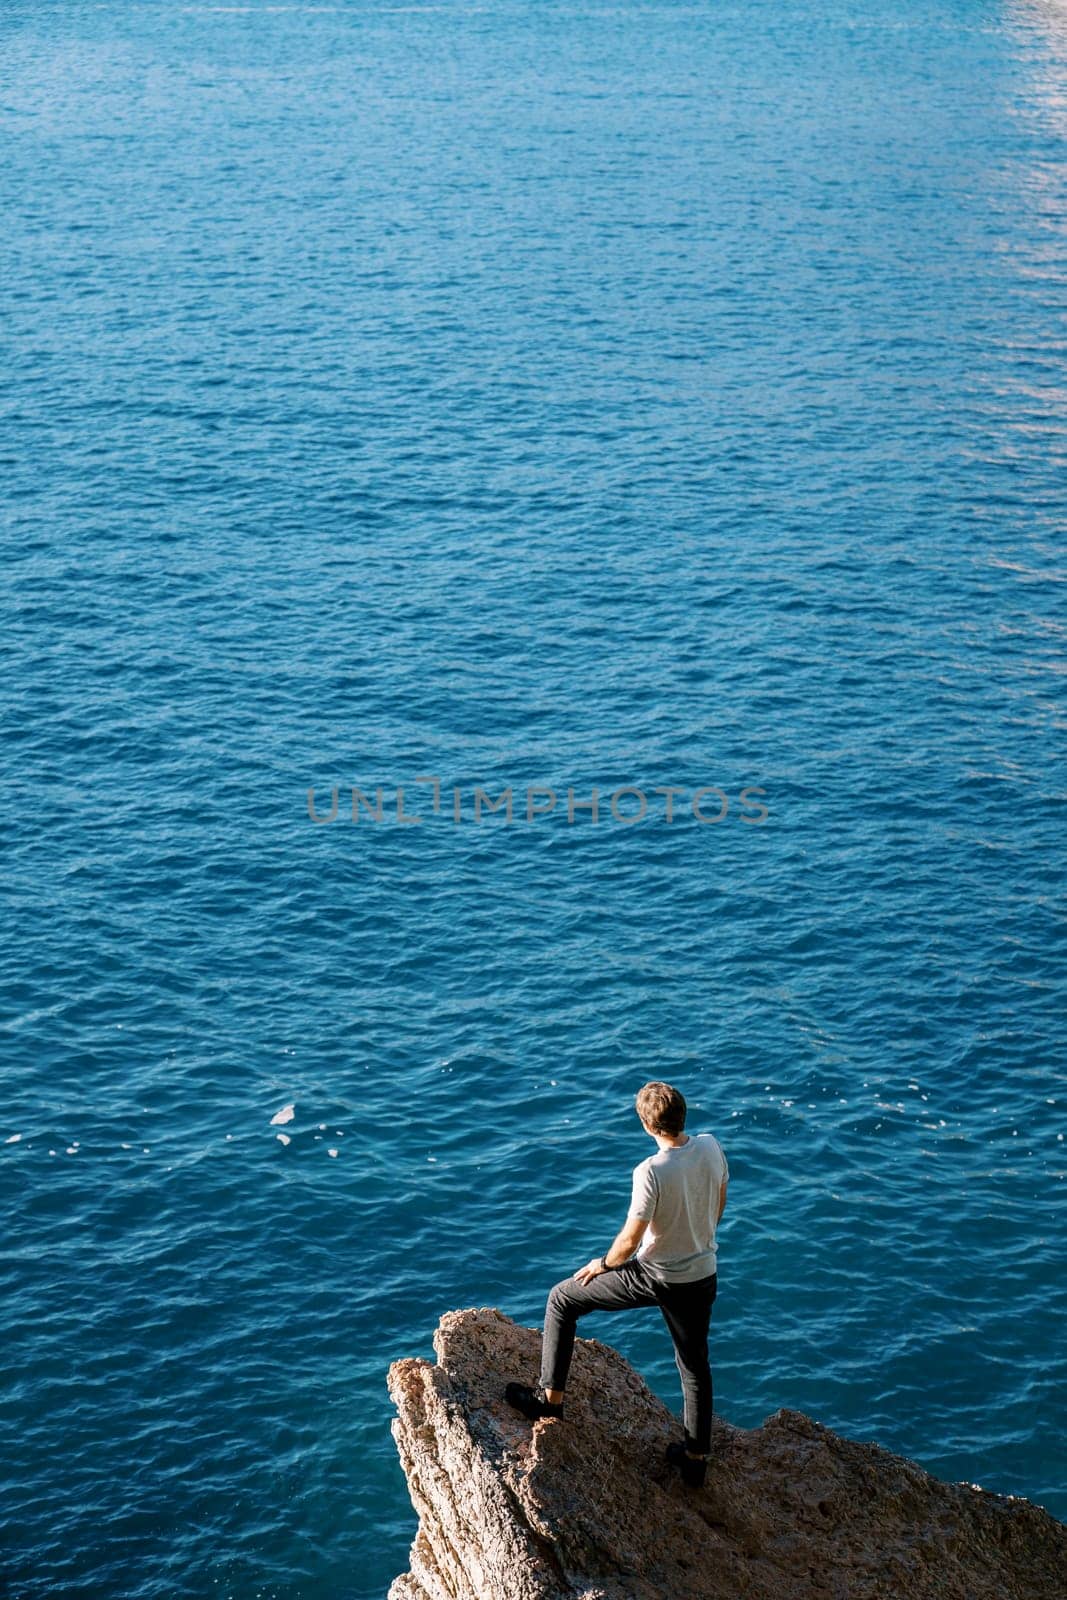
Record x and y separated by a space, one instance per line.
661 1108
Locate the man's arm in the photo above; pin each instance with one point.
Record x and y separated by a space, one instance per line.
722 1201
626 1242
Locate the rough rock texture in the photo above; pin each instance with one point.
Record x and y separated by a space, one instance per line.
585 1508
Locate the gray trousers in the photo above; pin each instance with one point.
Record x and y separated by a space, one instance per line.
686 1309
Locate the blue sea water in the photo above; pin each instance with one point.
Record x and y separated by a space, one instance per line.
535 396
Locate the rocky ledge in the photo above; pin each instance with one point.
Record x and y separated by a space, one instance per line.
586 1509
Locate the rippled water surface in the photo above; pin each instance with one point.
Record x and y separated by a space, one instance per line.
544 396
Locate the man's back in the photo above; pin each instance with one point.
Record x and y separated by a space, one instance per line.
677 1192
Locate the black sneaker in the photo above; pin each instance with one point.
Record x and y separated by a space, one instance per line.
693 1469
531 1401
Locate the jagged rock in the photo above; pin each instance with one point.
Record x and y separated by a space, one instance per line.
585 1508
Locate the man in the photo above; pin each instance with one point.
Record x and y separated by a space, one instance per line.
678 1198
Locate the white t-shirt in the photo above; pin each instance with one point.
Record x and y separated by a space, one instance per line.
677 1192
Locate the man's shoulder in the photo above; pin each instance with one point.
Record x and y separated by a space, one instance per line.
718 1152
711 1145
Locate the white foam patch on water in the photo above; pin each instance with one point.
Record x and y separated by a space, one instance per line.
332 1152
283 1138
13 1138
286 1114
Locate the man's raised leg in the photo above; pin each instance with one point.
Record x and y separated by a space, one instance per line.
618 1289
